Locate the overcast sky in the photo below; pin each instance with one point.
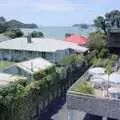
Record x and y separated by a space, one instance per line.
56 12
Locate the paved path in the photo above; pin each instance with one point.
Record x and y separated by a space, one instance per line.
58 111
63 112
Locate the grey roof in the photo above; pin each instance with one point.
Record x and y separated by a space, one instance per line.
40 44
34 65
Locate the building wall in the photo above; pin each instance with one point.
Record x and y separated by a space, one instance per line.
93 105
25 55
114 42
59 55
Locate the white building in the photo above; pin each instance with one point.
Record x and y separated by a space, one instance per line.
29 68
26 48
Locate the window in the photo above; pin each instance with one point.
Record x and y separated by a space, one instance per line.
43 54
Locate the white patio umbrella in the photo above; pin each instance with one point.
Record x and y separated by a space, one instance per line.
97 80
113 78
114 92
96 71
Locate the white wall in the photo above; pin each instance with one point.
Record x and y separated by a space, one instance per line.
25 55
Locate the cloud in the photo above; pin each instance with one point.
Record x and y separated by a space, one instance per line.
3 1
55 6
41 5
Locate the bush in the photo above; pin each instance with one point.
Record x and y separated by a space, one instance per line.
14 33
39 75
73 59
37 34
102 62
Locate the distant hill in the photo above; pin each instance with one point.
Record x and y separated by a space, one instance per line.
18 24
84 26
14 24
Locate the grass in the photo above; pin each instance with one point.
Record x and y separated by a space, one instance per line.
5 64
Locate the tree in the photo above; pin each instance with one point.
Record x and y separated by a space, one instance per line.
98 40
3 25
18 33
114 18
100 23
111 19
14 33
37 34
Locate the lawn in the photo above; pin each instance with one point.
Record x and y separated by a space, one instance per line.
5 64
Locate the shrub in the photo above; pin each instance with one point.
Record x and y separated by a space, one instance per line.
39 75
14 33
102 62
37 34
73 59
85 88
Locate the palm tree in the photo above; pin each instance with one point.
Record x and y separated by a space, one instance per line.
109 71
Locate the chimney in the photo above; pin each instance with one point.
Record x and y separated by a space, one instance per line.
29 38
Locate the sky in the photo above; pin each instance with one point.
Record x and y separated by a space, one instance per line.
56 12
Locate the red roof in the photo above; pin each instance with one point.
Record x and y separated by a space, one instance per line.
80 40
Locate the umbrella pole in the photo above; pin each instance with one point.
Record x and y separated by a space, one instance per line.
107 86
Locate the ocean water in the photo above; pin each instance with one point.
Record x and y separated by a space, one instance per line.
59 32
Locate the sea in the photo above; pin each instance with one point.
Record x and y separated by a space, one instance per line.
59 32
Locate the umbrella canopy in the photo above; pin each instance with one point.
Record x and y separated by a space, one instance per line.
97 80
114 90
113 78
96 71
80 40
